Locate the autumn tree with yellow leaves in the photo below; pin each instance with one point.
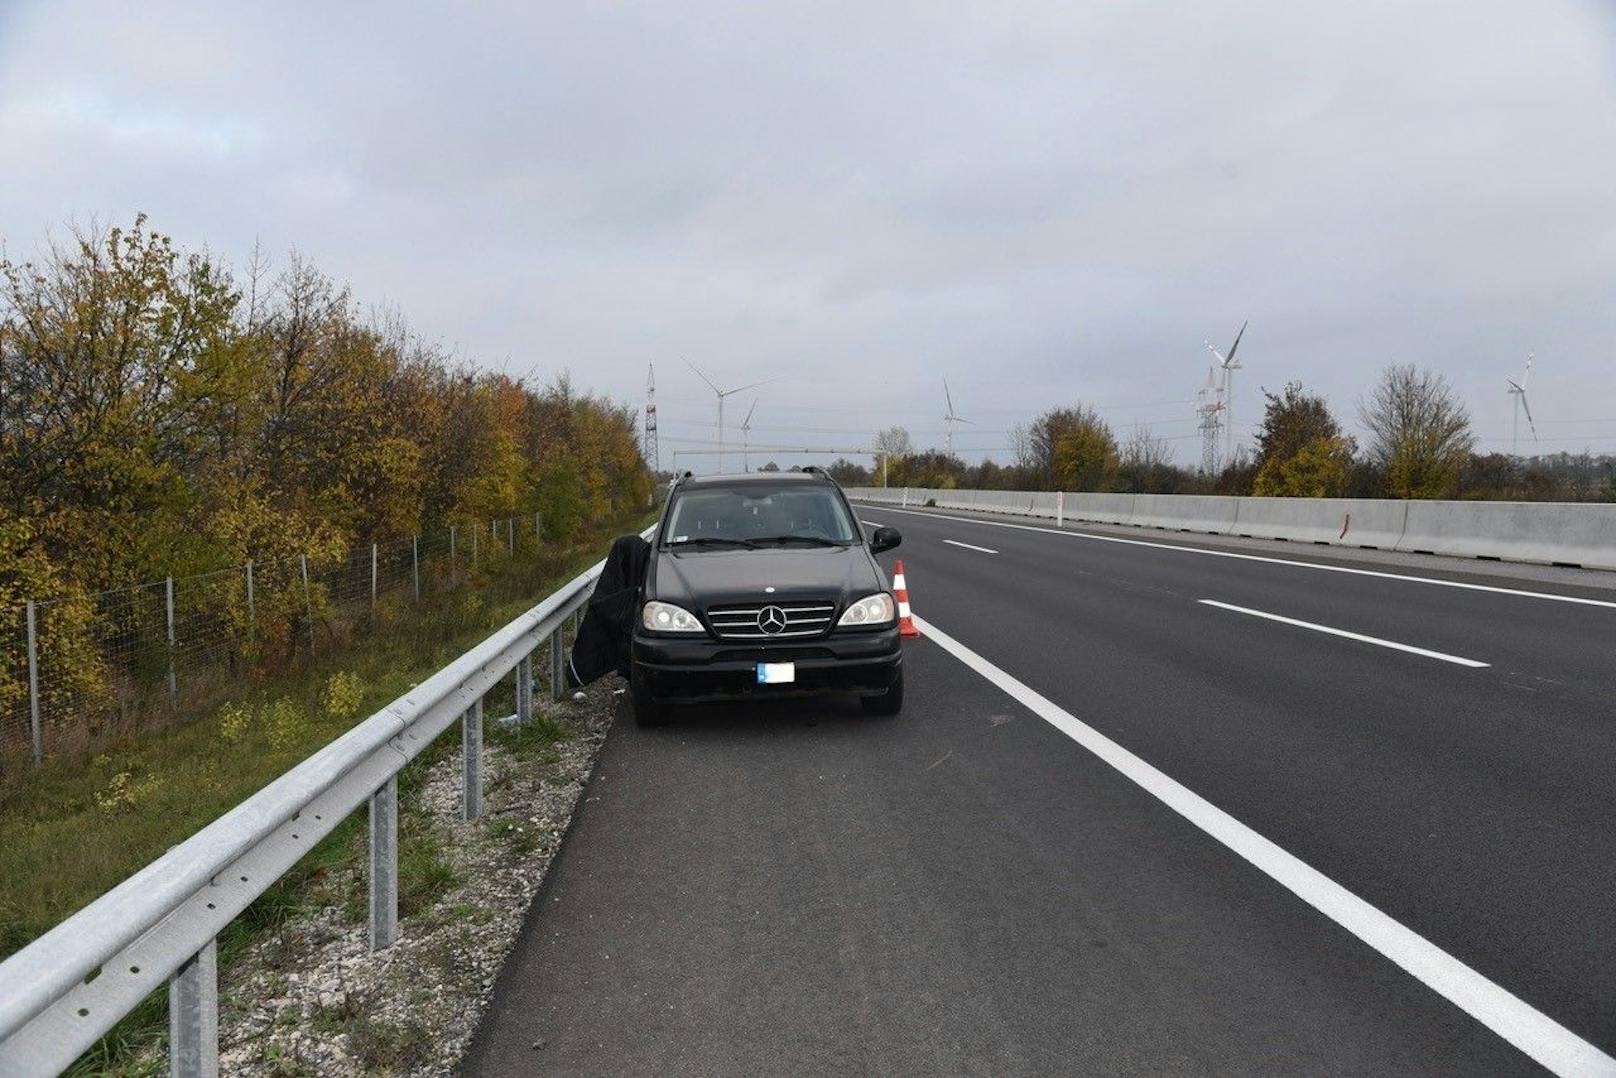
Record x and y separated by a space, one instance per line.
161 416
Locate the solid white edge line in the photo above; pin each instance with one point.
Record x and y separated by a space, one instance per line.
1435 581
1507 1015
969 546
1457 660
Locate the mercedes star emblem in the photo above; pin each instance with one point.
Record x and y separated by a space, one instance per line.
771 619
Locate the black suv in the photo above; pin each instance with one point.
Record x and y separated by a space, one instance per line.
762 585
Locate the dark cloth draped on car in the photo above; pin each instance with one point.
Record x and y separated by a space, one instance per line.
603 638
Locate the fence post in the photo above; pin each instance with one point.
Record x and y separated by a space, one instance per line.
33 685
471 761
558 664
173 681
193 1016
451 546
474 544
524 690
373 574
538 529
510 533
308 600
252 605
415 564
384 865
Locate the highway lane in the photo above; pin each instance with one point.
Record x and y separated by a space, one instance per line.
1545 642
798 888
1473 805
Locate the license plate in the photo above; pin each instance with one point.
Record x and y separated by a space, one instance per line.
776 673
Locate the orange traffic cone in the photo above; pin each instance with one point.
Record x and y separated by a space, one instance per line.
900 587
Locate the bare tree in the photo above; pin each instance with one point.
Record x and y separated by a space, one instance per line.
892 442
1420 432
1021 446
1146 466
257 278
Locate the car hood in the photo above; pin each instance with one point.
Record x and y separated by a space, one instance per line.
697 580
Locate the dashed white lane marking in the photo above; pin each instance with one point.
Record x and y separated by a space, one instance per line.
970 546
1507 1015
872 523
1316 566
1457 660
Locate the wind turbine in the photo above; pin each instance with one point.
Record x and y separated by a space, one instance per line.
1518 391
721 393
1229 365
951 418
746 439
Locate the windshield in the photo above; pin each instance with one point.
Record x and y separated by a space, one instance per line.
756 514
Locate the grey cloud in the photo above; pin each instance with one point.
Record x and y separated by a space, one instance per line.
1042 202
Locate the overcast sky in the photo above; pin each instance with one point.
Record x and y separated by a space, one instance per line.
1042 202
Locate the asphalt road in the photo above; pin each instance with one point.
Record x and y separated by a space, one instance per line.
964 889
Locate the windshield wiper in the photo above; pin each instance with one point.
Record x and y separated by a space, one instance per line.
713 540
811 540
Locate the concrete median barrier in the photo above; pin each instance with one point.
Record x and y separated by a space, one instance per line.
1185 512
1553 533
1360 522
1100 508
1550 533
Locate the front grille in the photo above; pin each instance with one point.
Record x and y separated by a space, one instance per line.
740 622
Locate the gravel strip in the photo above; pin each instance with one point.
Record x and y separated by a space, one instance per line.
309 998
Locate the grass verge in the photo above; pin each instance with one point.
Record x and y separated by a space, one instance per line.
79 825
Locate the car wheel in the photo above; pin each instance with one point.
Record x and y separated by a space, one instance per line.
648 710
888 703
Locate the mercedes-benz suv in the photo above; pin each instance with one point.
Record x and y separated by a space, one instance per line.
760 586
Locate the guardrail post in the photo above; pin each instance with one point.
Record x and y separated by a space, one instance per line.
308 600
471 761
252 605
524 690
373 574
168 590
193 1016
1060 509
384 865
558 665
34 729
415 565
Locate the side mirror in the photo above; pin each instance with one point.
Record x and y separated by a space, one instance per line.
884 539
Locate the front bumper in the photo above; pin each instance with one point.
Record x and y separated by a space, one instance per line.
695 670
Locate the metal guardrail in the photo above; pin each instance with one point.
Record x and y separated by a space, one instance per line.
65 990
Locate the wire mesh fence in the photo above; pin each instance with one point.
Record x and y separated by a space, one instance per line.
77 669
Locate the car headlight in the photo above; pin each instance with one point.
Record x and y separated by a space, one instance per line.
667 618
877 609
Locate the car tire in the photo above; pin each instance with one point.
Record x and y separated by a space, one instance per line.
888 703
648 710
